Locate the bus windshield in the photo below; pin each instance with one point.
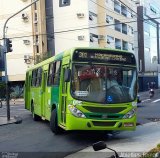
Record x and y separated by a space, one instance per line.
103 84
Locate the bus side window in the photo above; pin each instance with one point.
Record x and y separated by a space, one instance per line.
57 73
54 73
39 77
50 74
33 80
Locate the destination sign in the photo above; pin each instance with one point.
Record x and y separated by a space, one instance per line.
109 56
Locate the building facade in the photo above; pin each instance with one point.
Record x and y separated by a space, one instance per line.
149 43
94 23
19 30
43 30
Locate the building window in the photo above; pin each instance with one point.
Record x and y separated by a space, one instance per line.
37 49
117 6
35 17
124 28
36 40
125 45
117 43
117 25
124 10
35 6
63 3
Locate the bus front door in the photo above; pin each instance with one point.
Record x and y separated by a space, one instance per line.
63 98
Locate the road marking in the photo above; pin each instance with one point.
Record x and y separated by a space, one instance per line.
145 100
156 101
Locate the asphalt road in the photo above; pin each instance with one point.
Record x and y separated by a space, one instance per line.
35 139
149 109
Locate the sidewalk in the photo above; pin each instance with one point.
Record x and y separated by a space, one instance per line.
132 144
3 112
4 121
19 101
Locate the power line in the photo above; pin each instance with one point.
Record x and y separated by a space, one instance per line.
79 29
92 27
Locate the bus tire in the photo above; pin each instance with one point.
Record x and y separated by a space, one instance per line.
54 123
34 116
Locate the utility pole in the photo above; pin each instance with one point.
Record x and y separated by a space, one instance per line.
5 59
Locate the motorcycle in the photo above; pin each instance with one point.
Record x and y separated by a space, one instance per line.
102 145
151 93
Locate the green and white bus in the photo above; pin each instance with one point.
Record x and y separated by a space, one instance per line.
84 89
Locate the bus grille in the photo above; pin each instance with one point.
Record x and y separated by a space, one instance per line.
104 109
98 123
108 116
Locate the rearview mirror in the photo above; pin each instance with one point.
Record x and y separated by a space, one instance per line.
67 75
99 146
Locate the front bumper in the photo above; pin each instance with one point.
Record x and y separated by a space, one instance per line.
75 123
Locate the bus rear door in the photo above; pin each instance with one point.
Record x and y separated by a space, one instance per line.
44 98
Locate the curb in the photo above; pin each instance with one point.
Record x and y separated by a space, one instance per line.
13 120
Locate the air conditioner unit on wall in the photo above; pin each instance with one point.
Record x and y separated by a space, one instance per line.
107 20
25 16
26 42
27 58
80 38
80 15
108 41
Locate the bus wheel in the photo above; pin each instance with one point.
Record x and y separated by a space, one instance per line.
54 123
34 116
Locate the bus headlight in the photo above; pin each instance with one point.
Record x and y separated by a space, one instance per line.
130 114
75 111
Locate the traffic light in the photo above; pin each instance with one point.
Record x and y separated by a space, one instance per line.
8 45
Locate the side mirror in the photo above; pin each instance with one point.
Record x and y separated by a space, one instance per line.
67 75
99 146
102 145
